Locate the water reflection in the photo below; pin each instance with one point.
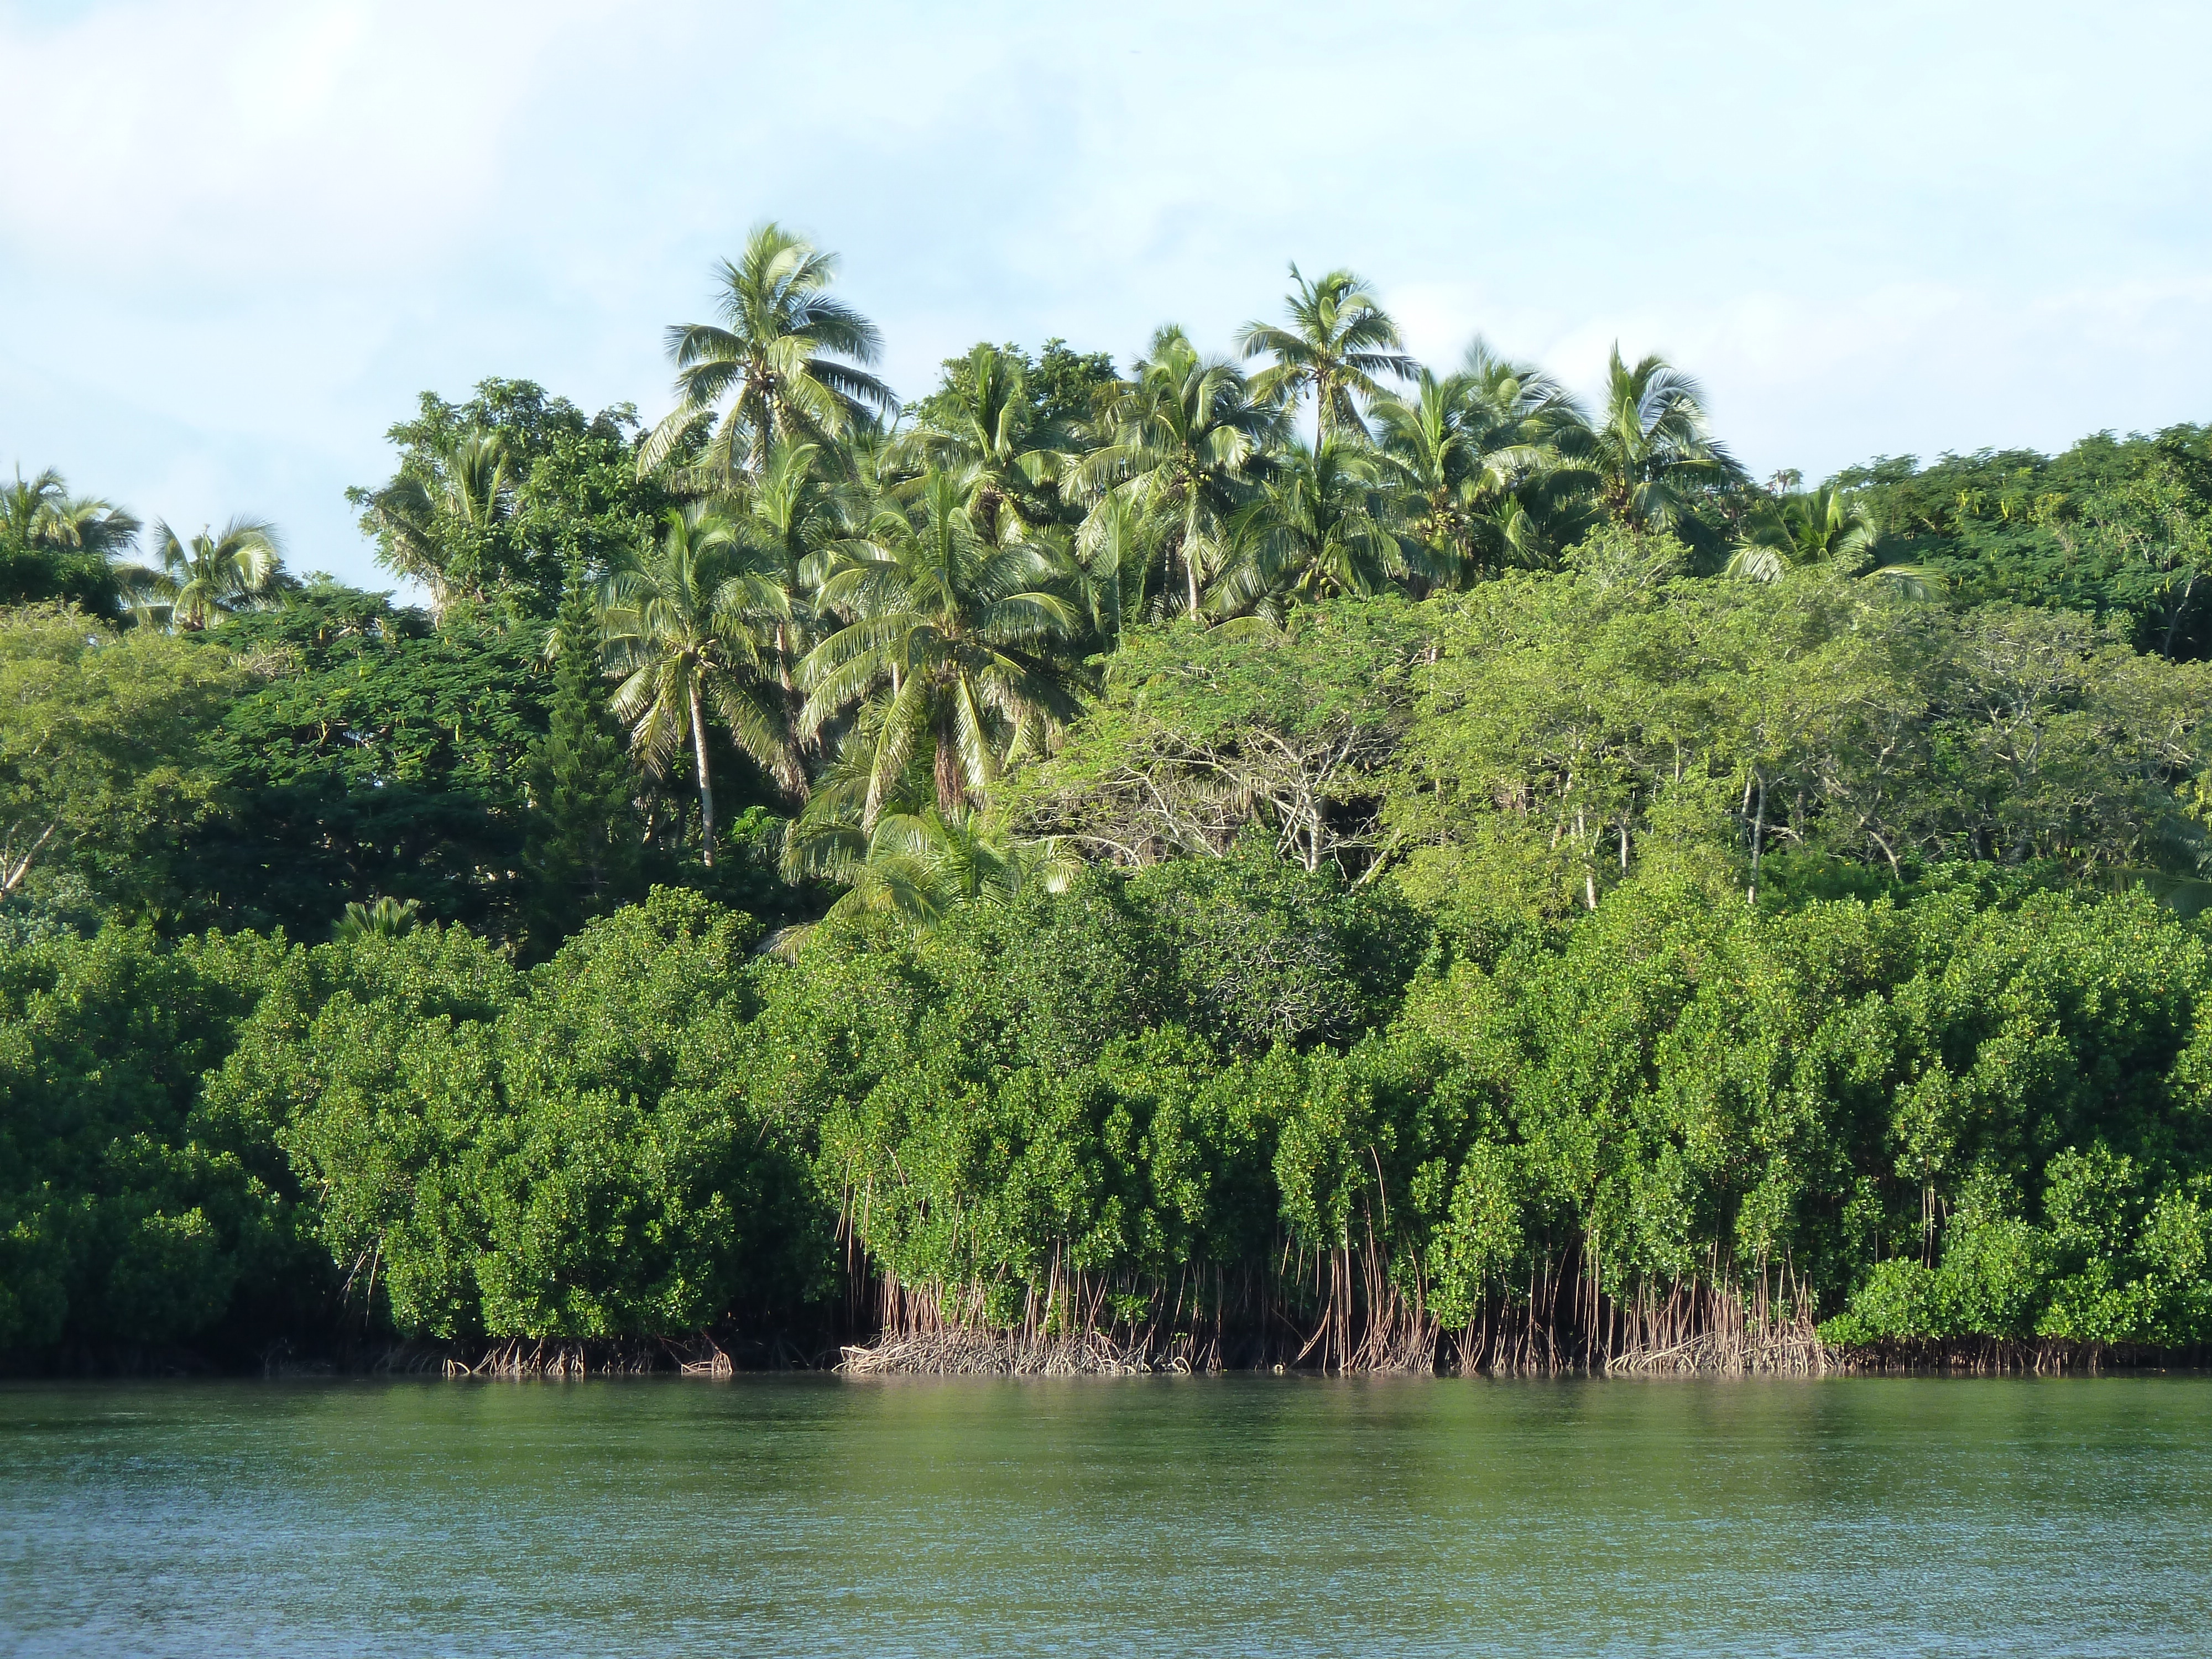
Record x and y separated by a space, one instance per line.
1230 1516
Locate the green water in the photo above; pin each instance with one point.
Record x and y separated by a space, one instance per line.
1215 1516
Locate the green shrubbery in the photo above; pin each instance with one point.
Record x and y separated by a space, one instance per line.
1213 1096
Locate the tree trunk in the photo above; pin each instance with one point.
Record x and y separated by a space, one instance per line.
14 869
951 788
1758 841
706 785
2180 609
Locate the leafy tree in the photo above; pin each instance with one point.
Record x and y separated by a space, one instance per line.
2117 527
496 497
790 360
1575 726
104 757
582 850
127 1222
1199 737
1066 387
553 1156
365 753
60 549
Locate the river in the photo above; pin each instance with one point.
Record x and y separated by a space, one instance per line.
1224 1515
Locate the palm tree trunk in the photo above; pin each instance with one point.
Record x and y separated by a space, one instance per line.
951 790
1758 841
706 786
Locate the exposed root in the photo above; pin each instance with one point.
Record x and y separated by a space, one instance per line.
1988 1357
559 1359
1782 1350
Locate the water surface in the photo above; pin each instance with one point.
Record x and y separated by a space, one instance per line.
1205 1515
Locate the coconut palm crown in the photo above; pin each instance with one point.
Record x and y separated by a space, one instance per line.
692 629
1649 445
195 584
1339 339
956 648
786 359
1186 440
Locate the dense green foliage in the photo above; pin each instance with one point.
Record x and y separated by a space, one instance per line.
2119 528
1323 861
1215 1097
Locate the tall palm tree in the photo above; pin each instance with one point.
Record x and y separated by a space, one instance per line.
979 429
67 544
41 513
793 509
195 584
24 505
788 359
958 647
436 529
1473 449
692 628
1337 340
1185 441
1320 529
1823 526
1649 445
1118 548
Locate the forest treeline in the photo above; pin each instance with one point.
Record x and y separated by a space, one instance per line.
1281 858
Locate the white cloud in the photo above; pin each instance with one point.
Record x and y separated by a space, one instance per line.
229 142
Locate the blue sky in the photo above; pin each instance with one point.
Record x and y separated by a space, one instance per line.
238 237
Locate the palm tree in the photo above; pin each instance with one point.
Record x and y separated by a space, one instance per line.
72 544
196 584
978 429
957 646
916 862
1649 445
788 360
1320 529
1823 526
1185 439
388 918
1340 339
1118 548
794 513
24 506
1473 450
692 629
41 513
436 531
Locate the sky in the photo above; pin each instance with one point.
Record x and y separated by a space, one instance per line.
238 238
